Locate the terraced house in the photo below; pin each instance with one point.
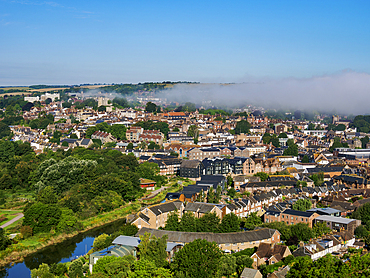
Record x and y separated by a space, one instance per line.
228 242
155 216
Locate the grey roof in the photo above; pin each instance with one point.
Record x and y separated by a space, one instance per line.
199 207
222 238
171 245
298 213
127 240
249 273
165 207
328 218
85 142
324 210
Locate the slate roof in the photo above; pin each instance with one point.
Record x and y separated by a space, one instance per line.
199 207
85 142
165 207
221 238
325 169
249 273
298 213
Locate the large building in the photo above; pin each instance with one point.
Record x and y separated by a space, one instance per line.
228 242
291 217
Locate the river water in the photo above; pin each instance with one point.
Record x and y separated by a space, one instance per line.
61 252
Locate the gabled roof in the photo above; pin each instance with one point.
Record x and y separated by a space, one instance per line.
219 238
165 207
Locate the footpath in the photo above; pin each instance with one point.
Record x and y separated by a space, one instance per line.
19 216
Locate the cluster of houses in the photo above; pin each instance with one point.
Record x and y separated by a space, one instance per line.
216 153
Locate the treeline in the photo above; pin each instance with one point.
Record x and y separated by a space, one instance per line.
71 185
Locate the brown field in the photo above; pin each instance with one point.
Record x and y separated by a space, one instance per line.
48 89
94 86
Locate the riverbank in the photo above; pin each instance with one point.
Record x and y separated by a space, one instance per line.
17 252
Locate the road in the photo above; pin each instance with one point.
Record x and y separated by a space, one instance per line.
19 216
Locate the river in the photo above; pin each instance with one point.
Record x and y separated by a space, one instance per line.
61 252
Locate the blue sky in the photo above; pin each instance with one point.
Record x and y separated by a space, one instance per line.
74 42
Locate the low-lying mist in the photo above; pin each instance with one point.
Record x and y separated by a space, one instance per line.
346 92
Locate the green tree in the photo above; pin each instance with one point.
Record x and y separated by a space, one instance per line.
252 221
75 269
263 176
193 131
4 240
147 269
364 141
361 232
153 249
292 150
243 262
41 217
320 229
302 205
209 222
283 135
318 179
302 268
231 192
68 222
189 107
101 242
198 259
311 126
110 144
42 272
47 196
305 159
230 223
302 231
242 126
130 146
150 107
363 213
266 138
153 146
188 223
4 130
129 229
172 222
228 265
118 131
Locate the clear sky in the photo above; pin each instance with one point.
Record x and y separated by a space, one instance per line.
74 42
